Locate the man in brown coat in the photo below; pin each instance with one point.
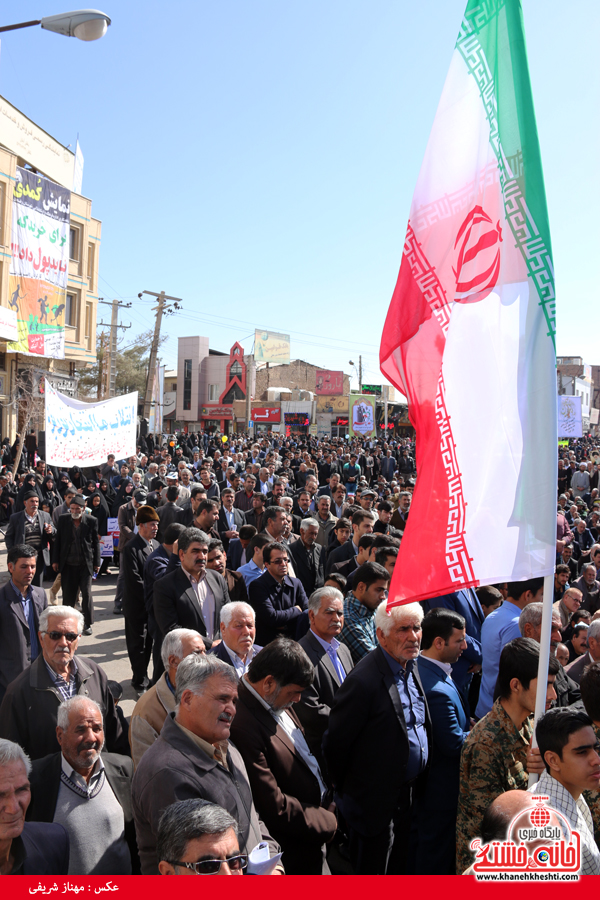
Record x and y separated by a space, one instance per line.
287 785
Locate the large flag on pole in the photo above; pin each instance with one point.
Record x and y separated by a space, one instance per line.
469 336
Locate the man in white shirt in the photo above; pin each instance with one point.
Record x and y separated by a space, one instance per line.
238 630
570 750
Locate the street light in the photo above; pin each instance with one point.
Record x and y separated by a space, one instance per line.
85 24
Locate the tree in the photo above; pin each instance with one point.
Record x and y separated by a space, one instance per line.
131 368
29 403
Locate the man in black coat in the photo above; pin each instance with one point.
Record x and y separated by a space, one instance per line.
332 661
230 519
30 706
362 523
27 848
137 635
381 701
308 557
76 555
192 595
32 527
54 779
20 608
276 598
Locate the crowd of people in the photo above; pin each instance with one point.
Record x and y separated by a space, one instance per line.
287 721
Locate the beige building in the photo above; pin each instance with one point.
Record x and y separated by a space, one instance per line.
25 144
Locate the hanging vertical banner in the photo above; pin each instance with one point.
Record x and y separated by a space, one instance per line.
569 417
469 336
362 416
155 421
83 434
39 264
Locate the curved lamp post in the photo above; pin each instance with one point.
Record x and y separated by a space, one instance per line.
85 24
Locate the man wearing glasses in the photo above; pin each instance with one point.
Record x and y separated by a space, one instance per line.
276 597
196 837
28 714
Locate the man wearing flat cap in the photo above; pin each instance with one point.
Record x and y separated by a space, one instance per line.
33 527
137 636
76 555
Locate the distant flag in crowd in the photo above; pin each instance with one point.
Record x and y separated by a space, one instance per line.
469 336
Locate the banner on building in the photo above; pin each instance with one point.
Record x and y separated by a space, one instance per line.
477 272
39 264
332 404
266 414
361 418
271 347
329 382
83 434
570 424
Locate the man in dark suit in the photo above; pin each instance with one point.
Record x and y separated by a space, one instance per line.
236 553
466 604
576 668
216 561
76 555
277 598
169 513
256 515
25 848
381 703
100 826
192 595
137 634
34 528
442 643
287 785
332 661
230 519
308 557
20 609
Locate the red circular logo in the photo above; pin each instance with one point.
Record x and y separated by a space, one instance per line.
540 816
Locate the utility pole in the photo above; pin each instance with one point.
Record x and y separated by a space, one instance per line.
360 374
249 374
109 369
161 309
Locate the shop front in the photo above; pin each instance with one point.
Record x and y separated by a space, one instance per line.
265 418
217 419
296 423
339 427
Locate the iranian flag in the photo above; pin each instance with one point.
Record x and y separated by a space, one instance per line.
469 336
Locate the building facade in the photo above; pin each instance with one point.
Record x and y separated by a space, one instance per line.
24 144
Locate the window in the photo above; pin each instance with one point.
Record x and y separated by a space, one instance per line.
187 384
89 312
91 259
71 308
3 362
74 235
213 393
235 369
3 234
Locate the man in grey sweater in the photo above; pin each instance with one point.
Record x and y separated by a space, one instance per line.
88 793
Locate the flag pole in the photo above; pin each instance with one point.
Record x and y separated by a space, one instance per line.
544 660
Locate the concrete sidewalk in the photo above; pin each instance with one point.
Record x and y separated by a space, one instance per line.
106 645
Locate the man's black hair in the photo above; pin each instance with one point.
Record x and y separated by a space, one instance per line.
271 513
259 540
555 727
369 573
172 532
519 659
439 622
20 551
517 588
271 547
384 553
285 661
338 579
366 542
172 493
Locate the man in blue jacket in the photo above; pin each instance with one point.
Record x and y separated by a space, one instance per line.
442 644
467 605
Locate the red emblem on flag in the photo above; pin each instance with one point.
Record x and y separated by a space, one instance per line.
478 261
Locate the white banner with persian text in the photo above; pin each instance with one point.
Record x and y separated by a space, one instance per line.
569 417
83 434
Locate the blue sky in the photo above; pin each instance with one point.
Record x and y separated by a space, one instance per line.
258 159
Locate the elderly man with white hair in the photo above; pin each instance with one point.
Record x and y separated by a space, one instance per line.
26 848
88 792
238 630
155 705
30 706
380 732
